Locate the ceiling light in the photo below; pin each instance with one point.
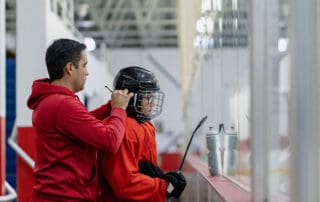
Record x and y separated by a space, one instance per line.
90 43
83 10
283 44
85 23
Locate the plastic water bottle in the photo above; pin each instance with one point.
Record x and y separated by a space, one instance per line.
214 155
229 154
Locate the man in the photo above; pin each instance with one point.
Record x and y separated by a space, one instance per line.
121 178
67 135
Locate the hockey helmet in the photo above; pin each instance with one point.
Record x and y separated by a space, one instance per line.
147 101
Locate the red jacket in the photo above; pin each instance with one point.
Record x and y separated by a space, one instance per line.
67 140
120 178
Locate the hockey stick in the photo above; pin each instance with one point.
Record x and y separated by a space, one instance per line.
109 89
194 132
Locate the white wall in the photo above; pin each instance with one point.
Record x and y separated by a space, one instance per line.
31 44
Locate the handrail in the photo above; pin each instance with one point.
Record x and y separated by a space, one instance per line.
239 184
12 141
12 194
223 185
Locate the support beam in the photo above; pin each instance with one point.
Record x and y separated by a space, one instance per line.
304 107
187 12
259 99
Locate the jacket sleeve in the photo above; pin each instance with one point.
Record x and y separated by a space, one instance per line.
76 122
102 112
122 172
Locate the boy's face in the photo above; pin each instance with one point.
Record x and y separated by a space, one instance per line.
147 103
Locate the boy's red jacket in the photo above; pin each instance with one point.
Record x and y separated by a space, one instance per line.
67 140
120 178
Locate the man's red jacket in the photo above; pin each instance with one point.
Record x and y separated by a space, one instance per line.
67 140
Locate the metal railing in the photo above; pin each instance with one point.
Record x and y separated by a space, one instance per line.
12 141
11 193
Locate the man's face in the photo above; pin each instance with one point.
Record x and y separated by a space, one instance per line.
80 73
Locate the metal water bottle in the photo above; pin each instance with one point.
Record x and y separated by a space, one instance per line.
229 154
214 155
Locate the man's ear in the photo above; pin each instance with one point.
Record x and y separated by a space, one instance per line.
68 68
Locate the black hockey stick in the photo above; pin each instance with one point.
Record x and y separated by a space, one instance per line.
109 89
194 132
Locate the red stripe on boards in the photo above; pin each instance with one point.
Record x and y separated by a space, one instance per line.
2 155
25 178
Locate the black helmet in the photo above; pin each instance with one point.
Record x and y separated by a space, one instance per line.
135 79
145 86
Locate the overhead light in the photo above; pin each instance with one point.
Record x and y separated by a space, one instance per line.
206 5
209 25
201 25
217 5
220 24
85 23
83 10
234 5
90 43
283 44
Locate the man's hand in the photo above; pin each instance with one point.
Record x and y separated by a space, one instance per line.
148 168
120 98
177 183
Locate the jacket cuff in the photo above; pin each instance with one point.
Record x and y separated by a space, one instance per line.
119 112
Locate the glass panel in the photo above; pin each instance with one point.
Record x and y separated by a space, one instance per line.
221 87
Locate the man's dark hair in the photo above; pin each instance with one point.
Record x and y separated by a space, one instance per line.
59 53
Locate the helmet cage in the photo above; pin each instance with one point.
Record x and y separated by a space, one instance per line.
148 104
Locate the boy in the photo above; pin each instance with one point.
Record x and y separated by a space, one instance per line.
120 177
